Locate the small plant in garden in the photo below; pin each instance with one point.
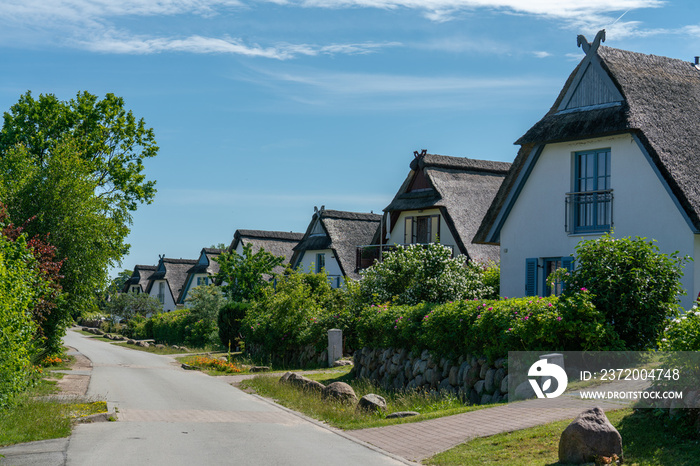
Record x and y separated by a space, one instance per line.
206 362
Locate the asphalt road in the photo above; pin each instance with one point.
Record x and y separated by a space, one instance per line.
169 416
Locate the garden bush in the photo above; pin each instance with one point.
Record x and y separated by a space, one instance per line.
296 313
682 333
169 327
422 273
229 321
490 327
201 329
634 285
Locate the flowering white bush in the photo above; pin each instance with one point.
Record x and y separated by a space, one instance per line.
682 333
422 273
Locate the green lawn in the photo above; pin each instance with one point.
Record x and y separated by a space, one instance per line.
647 440
344 416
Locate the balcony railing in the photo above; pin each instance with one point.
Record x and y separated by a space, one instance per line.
589 211
366 255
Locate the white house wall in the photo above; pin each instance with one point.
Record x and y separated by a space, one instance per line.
192 285
397 234
307 263
169 302
641 207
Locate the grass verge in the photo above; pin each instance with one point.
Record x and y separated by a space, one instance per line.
35 415
648 439
345 416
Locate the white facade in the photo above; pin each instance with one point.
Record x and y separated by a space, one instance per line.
398 233
642 206
161 291
311 262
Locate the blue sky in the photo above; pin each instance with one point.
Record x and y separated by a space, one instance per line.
265 109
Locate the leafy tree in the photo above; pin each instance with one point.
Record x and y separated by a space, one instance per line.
204 302
110 140
245 276
632 283
420 273
128 305
59 196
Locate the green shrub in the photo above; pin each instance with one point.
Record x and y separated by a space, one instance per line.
682 333
490 327
169 327
201 329
19 289
634 285
296 313
421 273
230 320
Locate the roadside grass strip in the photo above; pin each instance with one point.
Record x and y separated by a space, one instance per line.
648 439
346 416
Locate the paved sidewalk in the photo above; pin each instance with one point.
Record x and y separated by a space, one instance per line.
420 440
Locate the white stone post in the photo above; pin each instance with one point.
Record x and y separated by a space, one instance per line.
335 345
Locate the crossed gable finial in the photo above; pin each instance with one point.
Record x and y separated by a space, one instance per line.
590 48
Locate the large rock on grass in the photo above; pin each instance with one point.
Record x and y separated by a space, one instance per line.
304 382
340 391
371 403
588 436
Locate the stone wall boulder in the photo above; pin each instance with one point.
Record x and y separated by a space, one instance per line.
305 383
340 391
588 436
372 403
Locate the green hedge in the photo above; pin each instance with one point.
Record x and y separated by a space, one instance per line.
19 284
169 327
490 327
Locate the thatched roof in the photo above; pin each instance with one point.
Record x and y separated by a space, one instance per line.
174 272
345 231
278 243
139 276
660 106
211 267
462 189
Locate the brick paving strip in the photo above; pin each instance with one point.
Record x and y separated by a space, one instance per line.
420 440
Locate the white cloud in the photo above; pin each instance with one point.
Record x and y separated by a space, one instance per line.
116 42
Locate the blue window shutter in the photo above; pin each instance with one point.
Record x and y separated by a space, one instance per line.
531 276
567 263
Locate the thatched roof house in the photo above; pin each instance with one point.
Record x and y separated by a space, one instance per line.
167 281
657 99
138 282
200 273
278 243
455 192
330 242
616 152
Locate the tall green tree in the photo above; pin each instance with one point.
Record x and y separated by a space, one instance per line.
59 197
245 276
76 168
110 140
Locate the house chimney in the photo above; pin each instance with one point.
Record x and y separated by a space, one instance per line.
697 60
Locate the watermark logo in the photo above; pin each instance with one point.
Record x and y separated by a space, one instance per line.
542 368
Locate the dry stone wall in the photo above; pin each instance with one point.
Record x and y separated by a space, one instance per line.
470 378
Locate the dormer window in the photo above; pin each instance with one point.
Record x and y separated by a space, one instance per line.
422 229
